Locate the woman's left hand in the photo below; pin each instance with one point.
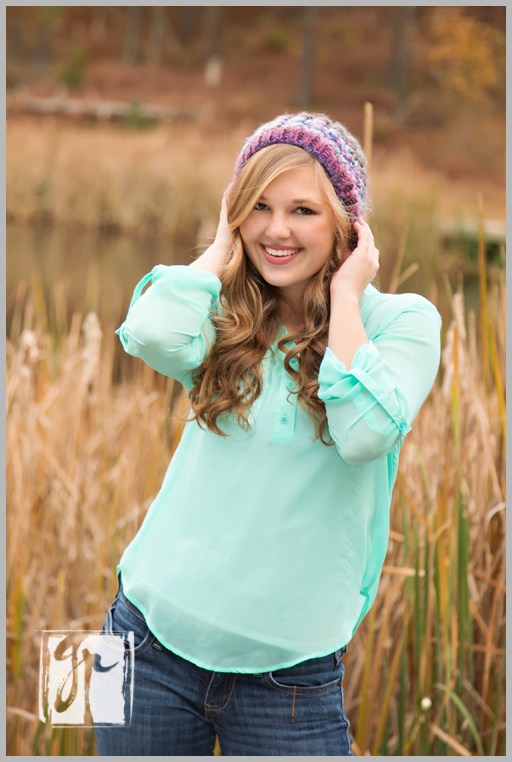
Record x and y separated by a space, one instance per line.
361 266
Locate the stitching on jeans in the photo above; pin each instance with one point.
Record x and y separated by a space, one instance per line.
230 692
302 690
347 723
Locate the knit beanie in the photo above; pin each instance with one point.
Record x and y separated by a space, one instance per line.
329 142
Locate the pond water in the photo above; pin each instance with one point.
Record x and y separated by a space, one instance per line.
99 272
89 271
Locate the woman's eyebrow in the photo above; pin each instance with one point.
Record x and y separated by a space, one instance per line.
297 201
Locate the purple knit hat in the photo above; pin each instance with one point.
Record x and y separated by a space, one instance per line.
329 142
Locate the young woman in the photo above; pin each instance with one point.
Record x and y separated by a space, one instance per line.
262 552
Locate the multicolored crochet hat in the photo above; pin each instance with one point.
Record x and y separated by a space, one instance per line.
329 142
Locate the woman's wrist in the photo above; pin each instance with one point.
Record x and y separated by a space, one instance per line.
344 292
346 329
213 259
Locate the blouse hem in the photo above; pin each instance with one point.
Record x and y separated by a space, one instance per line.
238 670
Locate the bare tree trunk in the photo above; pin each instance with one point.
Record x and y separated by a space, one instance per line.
401 52
99 22
16 41
306 68
188 17
131 41
212 27
43 54
158 29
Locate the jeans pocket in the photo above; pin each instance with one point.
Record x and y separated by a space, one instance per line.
124 617
312 677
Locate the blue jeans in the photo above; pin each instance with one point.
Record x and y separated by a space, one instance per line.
179 708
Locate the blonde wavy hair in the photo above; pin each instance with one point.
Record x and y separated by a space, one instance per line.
230 377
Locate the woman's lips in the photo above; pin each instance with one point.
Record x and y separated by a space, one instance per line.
281 259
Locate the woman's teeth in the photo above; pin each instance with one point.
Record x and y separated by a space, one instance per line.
280 252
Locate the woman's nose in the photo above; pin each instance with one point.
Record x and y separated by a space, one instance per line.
279 227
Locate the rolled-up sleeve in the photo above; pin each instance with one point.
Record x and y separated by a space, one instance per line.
372 406
169 325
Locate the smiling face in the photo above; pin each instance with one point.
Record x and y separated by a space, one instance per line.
289 234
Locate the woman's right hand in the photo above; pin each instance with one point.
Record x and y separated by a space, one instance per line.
215 256
223 235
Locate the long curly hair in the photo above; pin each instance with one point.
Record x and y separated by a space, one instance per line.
230 379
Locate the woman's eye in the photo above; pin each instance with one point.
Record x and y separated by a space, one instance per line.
305 211
260 206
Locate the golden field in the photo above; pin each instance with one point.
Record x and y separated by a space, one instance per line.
85 456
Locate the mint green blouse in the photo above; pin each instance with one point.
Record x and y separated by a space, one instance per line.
264 548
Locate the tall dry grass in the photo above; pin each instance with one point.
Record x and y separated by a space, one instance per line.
85 459
168 181
425 672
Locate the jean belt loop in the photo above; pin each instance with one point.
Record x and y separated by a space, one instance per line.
338 656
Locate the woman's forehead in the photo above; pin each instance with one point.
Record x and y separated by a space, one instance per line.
298 185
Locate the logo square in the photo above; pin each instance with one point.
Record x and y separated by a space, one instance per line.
86 678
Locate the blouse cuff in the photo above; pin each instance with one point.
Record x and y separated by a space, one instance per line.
181 279
367 372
